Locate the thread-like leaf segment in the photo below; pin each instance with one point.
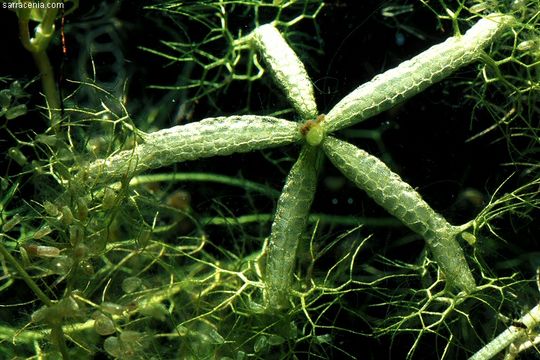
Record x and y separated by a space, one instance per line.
414 75
402 201
289 224
286 69
206 138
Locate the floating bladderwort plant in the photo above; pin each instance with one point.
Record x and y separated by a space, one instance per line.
226 135
102 249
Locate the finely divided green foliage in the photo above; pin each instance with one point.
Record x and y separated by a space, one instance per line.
402 201
208 303
414 75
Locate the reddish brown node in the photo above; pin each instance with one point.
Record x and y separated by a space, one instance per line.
304 129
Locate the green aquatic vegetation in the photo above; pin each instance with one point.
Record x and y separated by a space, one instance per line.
12 101
37 46
206 41
222 136
104 250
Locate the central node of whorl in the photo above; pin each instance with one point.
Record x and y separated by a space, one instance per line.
313 131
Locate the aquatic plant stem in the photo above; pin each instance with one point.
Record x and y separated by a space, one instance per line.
509 336
286 68
402 201
49 85
288 228
24 275
206 138
413 76
37 46
57 332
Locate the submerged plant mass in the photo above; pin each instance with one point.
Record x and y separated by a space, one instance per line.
214 202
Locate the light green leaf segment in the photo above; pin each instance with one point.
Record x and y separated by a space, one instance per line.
206 138
414 75
402 201
289 224
227 135
286 68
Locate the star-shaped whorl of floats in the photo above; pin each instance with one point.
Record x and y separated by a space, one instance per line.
237 134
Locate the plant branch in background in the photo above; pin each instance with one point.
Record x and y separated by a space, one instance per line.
37 46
